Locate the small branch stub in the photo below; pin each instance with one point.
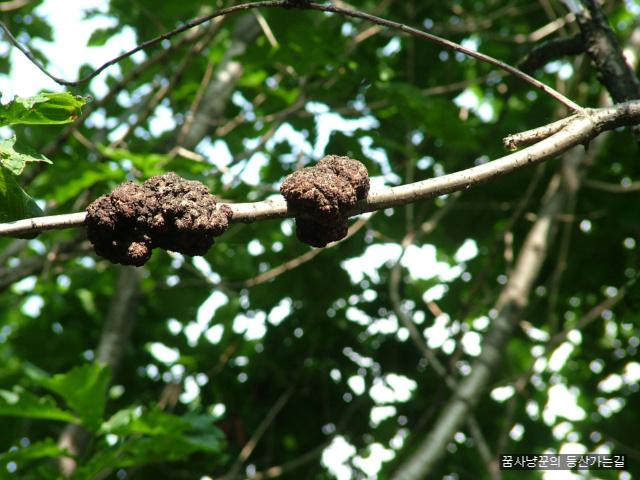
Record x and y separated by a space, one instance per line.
165 212
324 193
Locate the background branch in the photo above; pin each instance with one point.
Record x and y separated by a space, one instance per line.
509 306
114 341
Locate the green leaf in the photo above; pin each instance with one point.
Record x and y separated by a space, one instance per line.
85 178
102 461
15 157
100 36
148 163
15 204
137 421
84 389
436 115
151 436
35 451
20 403
203 432
197 432
42 109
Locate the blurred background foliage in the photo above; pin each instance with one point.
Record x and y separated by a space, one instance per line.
266 358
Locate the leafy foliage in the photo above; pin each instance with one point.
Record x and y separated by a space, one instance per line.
15 202
41 109
265 357
140 436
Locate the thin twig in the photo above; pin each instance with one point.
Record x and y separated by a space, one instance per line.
189 119
260 430
142 46
592 315
279 470
137 71
306 6
484 450
512 142
8 6
161 94
394 294
296 262
453 46
612 187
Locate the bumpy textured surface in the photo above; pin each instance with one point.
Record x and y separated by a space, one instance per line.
325 192
165 212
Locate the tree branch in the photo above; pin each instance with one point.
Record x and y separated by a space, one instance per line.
295 262
551 50
601 44
612 187
225 77
259 432
579 130
114 340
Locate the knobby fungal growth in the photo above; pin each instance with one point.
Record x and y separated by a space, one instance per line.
165 212
324 193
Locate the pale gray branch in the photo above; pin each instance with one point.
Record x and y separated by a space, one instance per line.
580 129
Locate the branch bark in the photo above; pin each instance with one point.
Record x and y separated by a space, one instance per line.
601 44
551 50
